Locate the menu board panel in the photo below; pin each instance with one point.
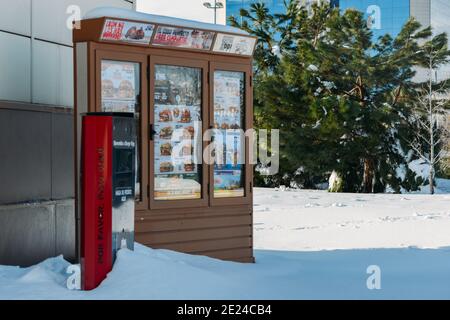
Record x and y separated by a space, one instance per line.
228 43
177 143
119 89
127 31
230 143
183 38
120 82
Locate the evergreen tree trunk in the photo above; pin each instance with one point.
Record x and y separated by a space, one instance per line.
431 179
369 169
430 110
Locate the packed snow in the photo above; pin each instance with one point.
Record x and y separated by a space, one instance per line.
309 245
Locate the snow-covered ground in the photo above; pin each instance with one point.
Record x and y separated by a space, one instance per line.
317 220
296 237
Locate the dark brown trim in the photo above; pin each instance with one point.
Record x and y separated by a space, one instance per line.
34 107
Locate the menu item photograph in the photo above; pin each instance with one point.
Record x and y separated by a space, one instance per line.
166 149
228 117
177 111
189 167
166 167
227 43
183 38
165 116
127 31
119 86
185 116
166 133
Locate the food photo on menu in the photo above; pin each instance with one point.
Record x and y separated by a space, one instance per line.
228 117
118 86
177 114
184 38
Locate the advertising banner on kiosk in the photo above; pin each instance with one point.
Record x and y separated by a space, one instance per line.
108 188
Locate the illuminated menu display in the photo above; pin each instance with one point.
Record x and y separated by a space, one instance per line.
228 121
177 141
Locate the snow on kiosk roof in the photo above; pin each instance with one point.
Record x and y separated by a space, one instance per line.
137 28
141 16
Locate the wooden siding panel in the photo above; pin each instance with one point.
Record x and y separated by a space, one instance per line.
144 226
206 245
192 235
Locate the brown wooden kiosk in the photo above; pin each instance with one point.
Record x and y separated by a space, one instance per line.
172 74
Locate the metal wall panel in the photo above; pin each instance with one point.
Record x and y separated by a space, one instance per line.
15 16
45 73
15 69
65 76
25 153
62 156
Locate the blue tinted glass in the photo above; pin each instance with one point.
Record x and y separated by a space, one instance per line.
234 6
388 16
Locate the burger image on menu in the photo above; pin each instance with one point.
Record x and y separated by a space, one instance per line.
166 149
126 89
185 116
166 133
107 88
135 33
235 126
165 167
165 116
189 167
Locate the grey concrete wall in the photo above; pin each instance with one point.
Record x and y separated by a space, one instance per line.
31 233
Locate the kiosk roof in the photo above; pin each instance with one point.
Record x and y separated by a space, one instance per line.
140 16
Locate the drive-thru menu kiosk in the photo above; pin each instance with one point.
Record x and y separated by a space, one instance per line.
180 78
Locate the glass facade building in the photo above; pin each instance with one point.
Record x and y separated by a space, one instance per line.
275 6
385 16
234 6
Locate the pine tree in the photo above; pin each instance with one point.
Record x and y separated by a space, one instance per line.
339 98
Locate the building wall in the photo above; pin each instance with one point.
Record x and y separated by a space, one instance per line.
184 9
37 217
34 41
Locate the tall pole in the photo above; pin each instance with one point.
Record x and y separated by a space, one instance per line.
215 11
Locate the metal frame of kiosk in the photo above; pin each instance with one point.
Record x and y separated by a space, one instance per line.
176 77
